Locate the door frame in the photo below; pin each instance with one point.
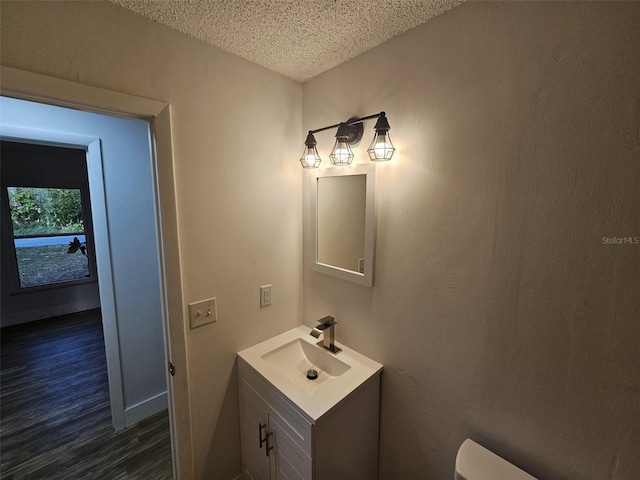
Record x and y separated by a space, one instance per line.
31 86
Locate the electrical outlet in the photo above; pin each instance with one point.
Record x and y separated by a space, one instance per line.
265 295
203 312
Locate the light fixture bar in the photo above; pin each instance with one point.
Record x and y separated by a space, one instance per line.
351 121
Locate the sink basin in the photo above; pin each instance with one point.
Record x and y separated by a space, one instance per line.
296 358
284 360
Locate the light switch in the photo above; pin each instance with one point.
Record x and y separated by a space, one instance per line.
203 312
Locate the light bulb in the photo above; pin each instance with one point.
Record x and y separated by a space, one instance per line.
341 154
381 149
310 159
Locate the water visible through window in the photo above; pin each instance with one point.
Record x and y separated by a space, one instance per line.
48 234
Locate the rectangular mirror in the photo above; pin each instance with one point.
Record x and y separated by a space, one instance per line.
344 225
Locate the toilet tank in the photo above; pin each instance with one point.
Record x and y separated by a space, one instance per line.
474 462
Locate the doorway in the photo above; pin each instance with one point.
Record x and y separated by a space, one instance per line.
26 85
127 248
118 158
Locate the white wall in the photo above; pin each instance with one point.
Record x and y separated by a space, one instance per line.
498 312
128 188
236 137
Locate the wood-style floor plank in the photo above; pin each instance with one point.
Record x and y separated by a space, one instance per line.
55 412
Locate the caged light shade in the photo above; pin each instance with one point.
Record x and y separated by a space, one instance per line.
342 154
310 157
381 148
348 134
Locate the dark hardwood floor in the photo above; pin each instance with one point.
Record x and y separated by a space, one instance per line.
55 413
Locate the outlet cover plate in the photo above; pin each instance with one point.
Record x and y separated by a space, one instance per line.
265 295
203 312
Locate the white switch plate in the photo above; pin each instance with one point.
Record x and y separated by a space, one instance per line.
265 295
203 312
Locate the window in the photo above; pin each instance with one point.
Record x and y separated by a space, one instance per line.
49 235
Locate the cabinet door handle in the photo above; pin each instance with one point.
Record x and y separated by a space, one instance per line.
262 440
266 439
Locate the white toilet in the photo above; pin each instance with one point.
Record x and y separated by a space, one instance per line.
474 462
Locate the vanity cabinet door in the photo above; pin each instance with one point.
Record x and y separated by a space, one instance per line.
254 424
296 426
290 462
268 452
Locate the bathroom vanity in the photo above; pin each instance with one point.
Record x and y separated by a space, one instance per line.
293 427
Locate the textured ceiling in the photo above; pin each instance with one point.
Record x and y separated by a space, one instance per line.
296 38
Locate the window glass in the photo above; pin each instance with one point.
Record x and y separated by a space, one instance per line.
48 234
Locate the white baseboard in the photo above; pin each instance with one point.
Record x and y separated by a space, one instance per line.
142 410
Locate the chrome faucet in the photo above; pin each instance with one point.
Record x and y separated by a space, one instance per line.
327 328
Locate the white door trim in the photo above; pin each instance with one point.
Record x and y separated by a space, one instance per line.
54 91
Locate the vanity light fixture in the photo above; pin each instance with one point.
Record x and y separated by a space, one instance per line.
350 133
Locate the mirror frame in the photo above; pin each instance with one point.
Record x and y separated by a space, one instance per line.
367 277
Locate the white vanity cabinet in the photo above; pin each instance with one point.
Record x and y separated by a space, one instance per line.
280 440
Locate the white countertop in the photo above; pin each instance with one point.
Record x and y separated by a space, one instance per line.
316 404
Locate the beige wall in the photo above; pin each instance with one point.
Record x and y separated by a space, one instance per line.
498 312
236 137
